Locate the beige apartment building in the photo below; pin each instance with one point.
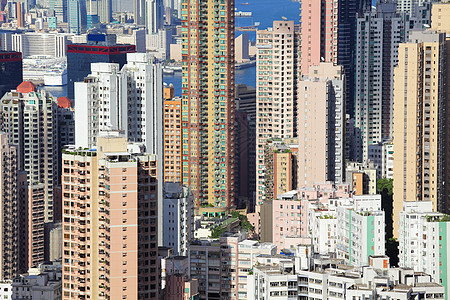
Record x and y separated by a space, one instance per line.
276 91
172 140
110 243
419 121
440 16
321 129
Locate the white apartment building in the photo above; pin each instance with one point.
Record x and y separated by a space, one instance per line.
382 155
130 100
361 230
33 43
353 228
276 84
424 238
376 281
322 228
178 217
248 252
272 282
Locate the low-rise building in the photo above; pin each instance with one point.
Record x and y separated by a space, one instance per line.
43 282
424 238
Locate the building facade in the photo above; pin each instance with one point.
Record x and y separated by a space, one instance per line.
30 117
99 48
13 196
208 101
379 34
172 140
276 90
117 249
423 241
321 136
419 122
178 212
11 72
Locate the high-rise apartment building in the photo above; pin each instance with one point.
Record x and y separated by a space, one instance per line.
378 35
129 100
11 72
172 140
13 196
419 115
208 101
321 129
178 215
30 119
440 15
319 32
99 48
110 227
277 67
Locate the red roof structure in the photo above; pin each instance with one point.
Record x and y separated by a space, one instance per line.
26 87
64 102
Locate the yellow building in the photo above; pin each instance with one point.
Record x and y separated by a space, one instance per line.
419 121
208 100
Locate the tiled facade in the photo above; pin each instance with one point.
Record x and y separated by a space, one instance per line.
208 100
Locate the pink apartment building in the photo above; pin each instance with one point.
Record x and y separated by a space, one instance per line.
284 221
109 222
319 32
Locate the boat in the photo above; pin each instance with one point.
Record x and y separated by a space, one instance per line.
55 77
167 71
242 13
246 3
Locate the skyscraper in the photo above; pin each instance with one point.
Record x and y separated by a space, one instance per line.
11 72
13 193
378 35
128 100
104 11
208 101
276 85
419 117
319 32
439 22
154 15
77 16
321 136
60 9
110 227
30 119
